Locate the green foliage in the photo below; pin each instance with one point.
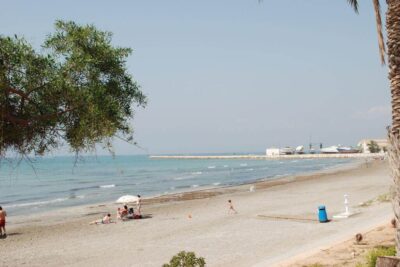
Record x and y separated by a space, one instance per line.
186 259
373 147
77 91
372 255
385 197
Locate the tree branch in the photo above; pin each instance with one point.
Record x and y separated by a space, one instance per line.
7 117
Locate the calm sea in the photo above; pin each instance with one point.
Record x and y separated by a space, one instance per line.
51 183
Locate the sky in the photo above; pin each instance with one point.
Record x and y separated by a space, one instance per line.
235 76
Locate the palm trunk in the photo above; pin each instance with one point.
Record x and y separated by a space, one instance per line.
393 45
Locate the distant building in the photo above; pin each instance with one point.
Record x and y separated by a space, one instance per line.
273 151
363 144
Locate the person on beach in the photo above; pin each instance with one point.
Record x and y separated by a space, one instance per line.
106 220
3 215
119 214
231 208
124 213
139 205
131 213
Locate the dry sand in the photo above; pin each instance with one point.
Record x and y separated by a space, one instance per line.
349 252
275 223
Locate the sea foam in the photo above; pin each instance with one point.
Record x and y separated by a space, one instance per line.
107 186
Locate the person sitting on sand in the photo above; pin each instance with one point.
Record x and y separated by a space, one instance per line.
231 208
106 220
124 212
131 213
3 215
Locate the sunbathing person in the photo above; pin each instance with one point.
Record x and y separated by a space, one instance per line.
106 220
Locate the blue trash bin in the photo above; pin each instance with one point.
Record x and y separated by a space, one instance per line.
322 216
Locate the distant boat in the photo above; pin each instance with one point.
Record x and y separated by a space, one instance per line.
299 150
329 150
338 149
347 149
286 151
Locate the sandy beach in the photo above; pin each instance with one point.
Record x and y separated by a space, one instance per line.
275 224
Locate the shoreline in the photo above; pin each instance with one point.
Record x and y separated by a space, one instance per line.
256 235
211 191
352 164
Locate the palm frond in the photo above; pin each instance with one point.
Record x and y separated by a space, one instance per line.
354 4
382 49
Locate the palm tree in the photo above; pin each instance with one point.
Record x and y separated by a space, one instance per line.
393 59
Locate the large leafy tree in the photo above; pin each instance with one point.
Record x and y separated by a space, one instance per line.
76 91
393 59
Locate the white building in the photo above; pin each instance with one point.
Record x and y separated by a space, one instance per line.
272 152
363 144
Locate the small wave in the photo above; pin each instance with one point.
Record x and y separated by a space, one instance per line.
211 167
217 183
172 188
73 196
197 173
83 188
107 186
293 161
182 178
243 164
226 166
37 203
251 169
194 186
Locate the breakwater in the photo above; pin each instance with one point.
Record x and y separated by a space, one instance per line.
260 157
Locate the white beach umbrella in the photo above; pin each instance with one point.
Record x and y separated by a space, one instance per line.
127 199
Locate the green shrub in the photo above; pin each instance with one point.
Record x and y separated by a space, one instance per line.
373 147
186 259
373 255
384 197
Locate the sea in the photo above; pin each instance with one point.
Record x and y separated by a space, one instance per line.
47 183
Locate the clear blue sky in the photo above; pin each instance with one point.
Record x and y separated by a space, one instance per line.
236 76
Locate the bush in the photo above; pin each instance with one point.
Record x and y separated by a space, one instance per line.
373 147
186 259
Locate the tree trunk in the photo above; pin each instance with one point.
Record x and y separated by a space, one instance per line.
393 45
